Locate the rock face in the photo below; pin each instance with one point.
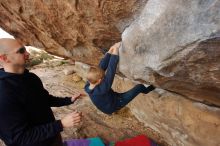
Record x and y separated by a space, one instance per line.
69 28
180 121
173 44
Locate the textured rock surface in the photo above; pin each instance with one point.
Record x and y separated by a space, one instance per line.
69 28
180 121
175 44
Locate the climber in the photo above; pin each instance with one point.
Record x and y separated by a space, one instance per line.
99 84
26 118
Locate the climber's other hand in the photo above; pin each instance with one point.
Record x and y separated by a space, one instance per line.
110 50
115 48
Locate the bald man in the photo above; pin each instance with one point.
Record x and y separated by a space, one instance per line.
26 118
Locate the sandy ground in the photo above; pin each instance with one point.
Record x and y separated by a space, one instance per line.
110 128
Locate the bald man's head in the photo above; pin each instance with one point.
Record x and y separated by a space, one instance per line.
8 45
13 55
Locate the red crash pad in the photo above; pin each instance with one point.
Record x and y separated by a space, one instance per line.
136 141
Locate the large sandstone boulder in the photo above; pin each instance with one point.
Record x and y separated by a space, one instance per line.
175 44
75 29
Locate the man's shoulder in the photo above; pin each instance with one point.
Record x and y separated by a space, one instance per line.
32 75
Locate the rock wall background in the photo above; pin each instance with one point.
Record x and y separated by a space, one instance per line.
180 121
70 28
173 44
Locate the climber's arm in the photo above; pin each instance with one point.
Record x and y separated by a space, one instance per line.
110 74
104 61
111 70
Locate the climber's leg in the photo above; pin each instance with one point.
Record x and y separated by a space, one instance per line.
128 96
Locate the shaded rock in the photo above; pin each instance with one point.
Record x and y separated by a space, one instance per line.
175 44
74 29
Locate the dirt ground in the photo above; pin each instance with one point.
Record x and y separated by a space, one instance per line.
110 128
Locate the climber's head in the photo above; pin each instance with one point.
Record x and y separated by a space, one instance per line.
95 75
13 55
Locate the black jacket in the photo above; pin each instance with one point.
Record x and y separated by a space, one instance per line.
26 118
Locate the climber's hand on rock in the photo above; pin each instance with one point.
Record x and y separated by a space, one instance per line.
72 119
115 48
110 51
